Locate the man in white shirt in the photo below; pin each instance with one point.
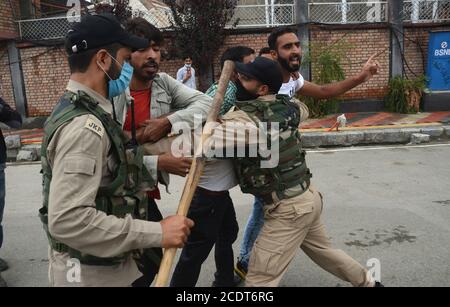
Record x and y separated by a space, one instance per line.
285 48
186 74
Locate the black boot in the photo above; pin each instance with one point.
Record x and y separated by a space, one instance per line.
231 284
3 265
241 270
3 283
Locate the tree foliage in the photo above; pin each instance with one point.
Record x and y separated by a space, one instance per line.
404 94
326 61
200 30
120 8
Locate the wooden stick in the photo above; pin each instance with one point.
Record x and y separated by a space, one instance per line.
195 172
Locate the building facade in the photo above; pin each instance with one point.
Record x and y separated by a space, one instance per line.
34 70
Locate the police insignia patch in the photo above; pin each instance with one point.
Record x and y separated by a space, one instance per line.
94 125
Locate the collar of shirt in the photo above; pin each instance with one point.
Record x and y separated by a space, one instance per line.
184 68
75 87
232 86
269 98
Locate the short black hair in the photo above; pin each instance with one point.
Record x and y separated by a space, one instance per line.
187 57
236 54
79 62
141 27
265 50
273 37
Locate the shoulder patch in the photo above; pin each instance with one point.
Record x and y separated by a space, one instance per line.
95 125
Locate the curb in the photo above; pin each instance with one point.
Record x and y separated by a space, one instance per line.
371 136
345 138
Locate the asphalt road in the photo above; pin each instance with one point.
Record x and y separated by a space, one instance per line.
388 203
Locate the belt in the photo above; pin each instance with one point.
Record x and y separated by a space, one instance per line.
275 197
212 193
269 199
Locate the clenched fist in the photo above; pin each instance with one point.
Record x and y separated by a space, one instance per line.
176 230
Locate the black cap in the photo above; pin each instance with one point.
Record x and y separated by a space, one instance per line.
96 31
264 70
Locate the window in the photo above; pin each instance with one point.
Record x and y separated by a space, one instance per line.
264 13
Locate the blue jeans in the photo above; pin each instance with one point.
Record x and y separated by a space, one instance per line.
2 200
252 230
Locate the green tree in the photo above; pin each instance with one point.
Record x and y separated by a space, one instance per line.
326 61
120 8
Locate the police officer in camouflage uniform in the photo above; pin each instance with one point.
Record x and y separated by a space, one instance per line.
292 206
95 182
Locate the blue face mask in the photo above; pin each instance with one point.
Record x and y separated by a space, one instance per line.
118 86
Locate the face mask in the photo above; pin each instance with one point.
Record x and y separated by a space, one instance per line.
242 94
118 86
188 65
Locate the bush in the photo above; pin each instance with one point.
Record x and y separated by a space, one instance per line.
404 94
326 62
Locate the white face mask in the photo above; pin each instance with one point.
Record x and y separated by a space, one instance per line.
188 65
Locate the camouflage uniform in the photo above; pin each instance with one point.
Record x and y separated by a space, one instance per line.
292 206
95 194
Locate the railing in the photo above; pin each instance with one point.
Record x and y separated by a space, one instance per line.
417 11
344 12
159 17
54 28
248 16
44 28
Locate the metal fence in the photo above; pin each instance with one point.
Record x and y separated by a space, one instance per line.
347 12
248 16
344 12
260 15
44 28
53 28
159 17
417 11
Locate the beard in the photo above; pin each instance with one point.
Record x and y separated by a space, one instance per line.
285 63
113 72
242 94
148 71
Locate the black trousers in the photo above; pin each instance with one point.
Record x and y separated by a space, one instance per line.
215 224
150 261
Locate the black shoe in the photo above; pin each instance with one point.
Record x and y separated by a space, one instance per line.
3 283
234 284
3 265
241 270
378 285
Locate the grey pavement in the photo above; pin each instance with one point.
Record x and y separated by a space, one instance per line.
388 203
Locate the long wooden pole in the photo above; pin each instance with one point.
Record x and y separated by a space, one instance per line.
195 172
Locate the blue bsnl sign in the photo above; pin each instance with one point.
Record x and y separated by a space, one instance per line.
438 71
444 51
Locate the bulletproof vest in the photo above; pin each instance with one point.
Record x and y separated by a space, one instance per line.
127 192
290 177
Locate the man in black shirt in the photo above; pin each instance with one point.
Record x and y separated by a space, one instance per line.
13 120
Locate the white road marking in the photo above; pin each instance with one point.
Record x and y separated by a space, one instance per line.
377 148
